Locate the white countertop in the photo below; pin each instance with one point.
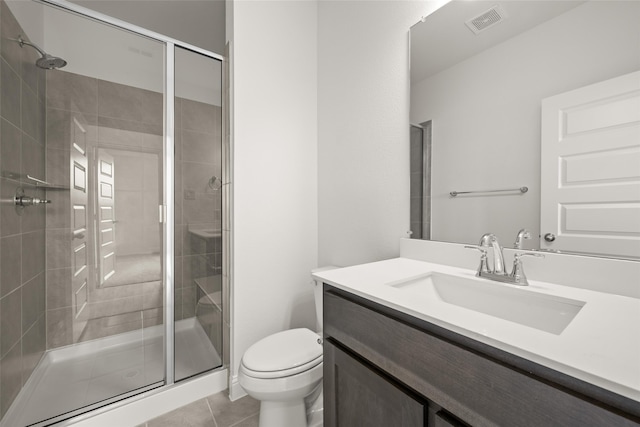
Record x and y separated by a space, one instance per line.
600 346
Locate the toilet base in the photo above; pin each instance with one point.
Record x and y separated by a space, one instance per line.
315 408
316 419
286 413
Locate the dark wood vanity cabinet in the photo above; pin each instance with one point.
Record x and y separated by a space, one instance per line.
385 368
363 396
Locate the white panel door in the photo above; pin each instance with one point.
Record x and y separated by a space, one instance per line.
590 171
106 215
80 253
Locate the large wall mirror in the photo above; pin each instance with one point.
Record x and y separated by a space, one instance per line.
526 115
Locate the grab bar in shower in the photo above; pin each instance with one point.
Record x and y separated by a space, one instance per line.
521 189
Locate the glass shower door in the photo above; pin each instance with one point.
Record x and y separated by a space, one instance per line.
199 298
91 140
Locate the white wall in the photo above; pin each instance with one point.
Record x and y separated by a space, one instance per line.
104 52
486 115
274 169
198 22
30 15
363 132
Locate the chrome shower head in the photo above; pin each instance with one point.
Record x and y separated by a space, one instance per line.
49 62
45 61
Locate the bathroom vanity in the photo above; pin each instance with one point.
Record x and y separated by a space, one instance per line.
398 351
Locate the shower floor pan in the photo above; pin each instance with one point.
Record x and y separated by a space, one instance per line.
91 374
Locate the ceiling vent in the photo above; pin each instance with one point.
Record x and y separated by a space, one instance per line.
487 19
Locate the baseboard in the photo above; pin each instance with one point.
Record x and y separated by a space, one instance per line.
235 389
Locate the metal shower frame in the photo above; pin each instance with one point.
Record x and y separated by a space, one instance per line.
168 209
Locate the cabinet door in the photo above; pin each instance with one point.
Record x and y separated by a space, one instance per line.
444 419
356 395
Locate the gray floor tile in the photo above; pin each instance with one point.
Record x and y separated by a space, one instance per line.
249 422
227 413
196 414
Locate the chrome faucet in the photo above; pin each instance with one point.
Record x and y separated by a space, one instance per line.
522 234
498 273
491 239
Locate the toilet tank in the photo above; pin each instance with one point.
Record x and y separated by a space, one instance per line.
317 295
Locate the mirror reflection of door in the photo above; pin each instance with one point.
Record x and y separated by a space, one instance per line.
590 192
420 184
79 223
127 202
106 216
483 92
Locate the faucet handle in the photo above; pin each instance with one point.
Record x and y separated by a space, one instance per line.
518 271
519 255
484 263
479 248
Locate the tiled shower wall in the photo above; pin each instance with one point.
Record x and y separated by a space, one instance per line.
22 237
198 159
113 115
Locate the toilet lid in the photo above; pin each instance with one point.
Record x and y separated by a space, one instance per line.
284 351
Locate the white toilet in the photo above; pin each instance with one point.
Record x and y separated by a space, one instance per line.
284 372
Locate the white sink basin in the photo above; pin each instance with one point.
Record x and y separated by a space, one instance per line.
544 312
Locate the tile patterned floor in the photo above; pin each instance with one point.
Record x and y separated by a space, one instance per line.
213 411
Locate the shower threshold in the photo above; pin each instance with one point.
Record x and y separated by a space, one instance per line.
83 377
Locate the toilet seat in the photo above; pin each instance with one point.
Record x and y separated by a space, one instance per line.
283 354
283 372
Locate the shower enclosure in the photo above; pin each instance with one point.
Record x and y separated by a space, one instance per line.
111 223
